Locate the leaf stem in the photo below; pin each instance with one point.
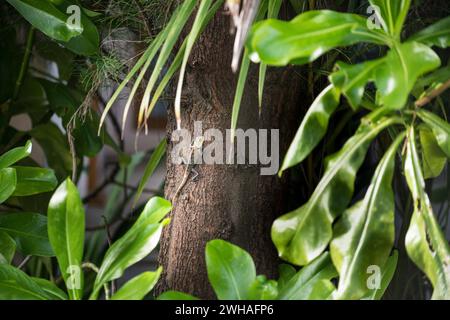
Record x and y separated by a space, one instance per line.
25 61
432 95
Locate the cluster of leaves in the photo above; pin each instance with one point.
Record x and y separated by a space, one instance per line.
62 234
363 234
232 274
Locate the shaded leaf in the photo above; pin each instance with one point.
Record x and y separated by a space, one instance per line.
34 180
313 128
438 34
440 128
16 285
29 231
312 282
152 164
7 248
392 14
50 289
433 158
425 242
263 289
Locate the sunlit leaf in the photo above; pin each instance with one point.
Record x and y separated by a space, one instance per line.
138 287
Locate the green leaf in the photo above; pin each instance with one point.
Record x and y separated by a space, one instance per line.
307 37
433 158
425 242
66 221
44 16
285 272
34 180
154 211
138 287
263 289
14 155
7 248
402 66
132 247
313 127
56 148
392 14
152 164
175 295
440 128
8 181
180 17
29 231
394 75
231 270
303 234
50 289
196 29
312 282
16 285
387 273
364 236
438 34
352 80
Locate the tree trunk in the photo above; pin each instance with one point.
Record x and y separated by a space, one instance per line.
230 202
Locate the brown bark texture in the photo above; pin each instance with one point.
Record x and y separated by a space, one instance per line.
230 202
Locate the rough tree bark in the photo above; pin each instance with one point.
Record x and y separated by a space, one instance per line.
230 202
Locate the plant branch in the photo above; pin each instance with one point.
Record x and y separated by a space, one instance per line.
432 95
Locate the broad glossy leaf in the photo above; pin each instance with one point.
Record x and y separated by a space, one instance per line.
7 248
433 158
152 164
66 223
154 211
303 234
231 270
425 242
16 285
132 247
307 37
438 34
12 156
364 235
312 282
387 273
263 289
403 65
313 127
44 16
440 128
176 295
392 14
50 289
34 180
29 231
8 182
138 287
